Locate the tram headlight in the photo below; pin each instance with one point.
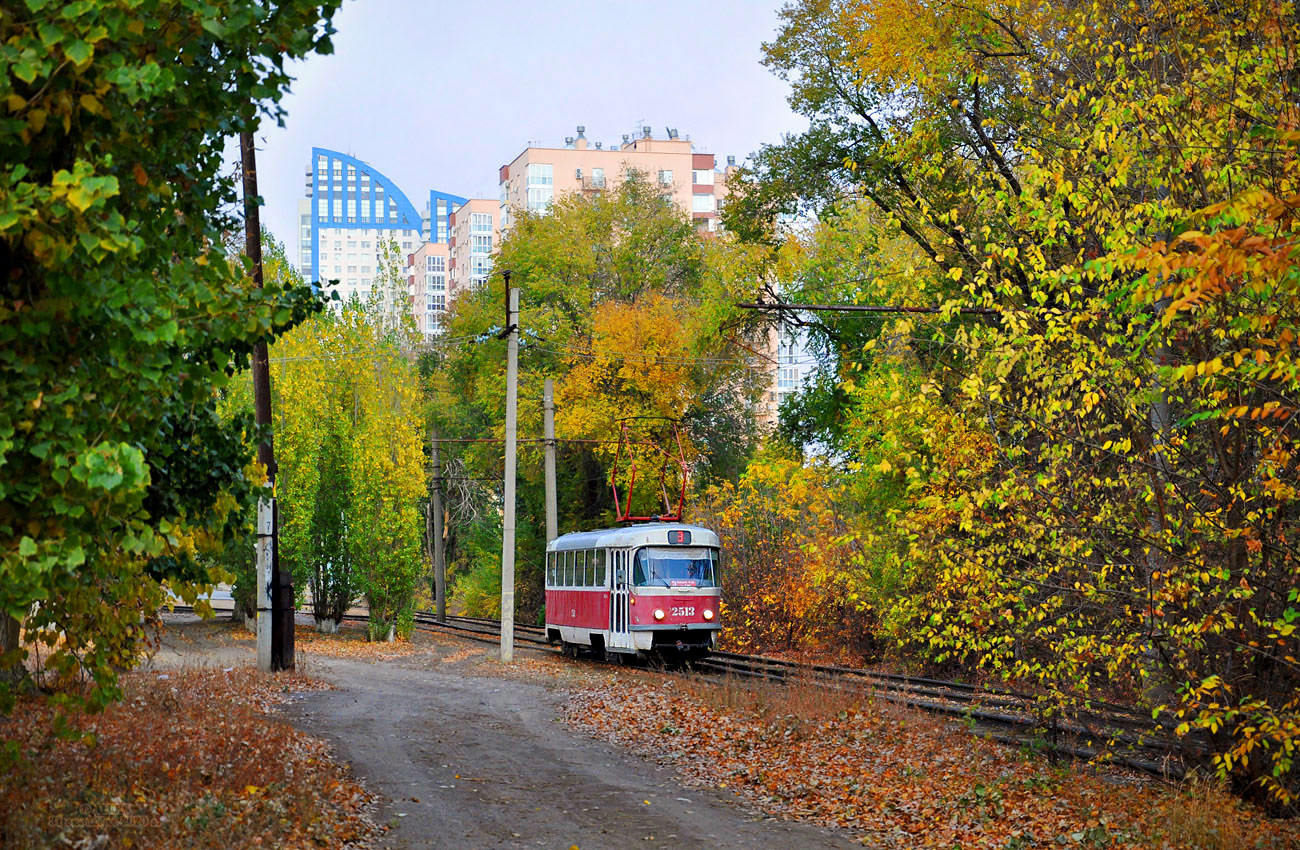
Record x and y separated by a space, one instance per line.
659 613
708 613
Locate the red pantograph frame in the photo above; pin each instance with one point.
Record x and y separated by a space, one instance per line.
623 507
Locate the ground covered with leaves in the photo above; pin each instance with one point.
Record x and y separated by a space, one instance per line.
190 758
901 778
349 641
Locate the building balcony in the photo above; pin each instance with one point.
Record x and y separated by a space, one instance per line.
593 184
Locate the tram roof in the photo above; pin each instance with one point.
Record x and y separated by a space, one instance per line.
645 534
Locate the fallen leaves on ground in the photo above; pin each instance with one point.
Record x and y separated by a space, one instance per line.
188 758
350 642
899 777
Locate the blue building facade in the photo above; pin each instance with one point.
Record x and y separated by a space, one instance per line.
351 208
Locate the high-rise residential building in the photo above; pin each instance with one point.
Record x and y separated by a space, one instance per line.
427 274
692 180
350 211
474 235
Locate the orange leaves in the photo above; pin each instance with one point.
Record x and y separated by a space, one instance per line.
893 776
787 549
186 760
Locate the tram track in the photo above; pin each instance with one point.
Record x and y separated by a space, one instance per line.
1005 716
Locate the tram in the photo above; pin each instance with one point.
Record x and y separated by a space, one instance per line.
623 593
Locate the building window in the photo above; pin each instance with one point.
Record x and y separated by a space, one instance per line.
435 282
482 244
541 187
598 178
435 264
540 174
480 223
666 177
701 203
702 177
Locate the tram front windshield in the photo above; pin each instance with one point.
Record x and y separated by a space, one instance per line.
675 566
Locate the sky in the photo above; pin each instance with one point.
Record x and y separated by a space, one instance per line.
439 95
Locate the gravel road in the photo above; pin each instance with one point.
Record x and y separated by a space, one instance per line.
467 755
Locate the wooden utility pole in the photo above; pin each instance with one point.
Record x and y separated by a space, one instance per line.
274 586
436 544
508 523
548 413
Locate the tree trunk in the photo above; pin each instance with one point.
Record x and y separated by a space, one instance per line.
10 674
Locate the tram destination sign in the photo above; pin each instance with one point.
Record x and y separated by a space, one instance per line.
679 537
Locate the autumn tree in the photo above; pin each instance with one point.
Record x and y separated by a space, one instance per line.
1098 502
787 545
121 316
621 306
349 424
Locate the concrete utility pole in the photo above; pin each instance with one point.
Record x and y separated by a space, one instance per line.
508 524
274 586
437 544
548 412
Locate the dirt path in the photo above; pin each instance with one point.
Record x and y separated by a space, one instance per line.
468 755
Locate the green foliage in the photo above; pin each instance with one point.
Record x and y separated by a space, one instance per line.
120 316
350 451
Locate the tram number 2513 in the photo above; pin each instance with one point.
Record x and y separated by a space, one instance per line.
683 610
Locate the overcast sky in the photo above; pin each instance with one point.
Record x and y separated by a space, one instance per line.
440 95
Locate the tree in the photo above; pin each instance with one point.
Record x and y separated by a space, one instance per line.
348 402
622 304
120 315
785 586
1099 504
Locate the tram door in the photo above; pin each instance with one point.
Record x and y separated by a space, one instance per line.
620 636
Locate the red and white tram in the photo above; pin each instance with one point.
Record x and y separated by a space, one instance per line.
636 591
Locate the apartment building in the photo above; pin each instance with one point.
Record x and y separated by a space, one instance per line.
427 281
474 236
692 180
350 210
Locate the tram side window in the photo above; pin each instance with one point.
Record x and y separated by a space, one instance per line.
566 569
600 568
589 570
550 568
